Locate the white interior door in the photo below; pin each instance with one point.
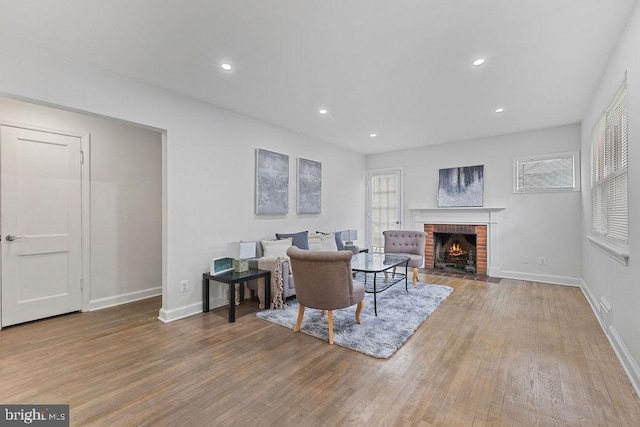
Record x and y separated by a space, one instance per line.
384 203
40 214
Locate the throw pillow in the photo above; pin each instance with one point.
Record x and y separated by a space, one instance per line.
276 248
315 242
300 239
338 238
322 242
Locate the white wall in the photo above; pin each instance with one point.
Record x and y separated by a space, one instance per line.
208 163
532 225
603 276
126 194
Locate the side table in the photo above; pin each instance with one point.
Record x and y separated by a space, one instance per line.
231 278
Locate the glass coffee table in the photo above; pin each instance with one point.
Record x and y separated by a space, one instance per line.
367 266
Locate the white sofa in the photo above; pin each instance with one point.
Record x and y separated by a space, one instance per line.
288 284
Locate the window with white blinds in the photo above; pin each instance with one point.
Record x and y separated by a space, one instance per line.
609 171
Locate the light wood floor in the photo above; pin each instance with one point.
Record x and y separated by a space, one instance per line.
510 353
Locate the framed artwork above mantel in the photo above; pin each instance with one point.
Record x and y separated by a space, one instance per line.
461 187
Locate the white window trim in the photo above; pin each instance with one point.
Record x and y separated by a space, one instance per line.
617 251
616 248
541 157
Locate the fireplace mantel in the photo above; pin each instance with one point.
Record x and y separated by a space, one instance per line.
479 215
474 216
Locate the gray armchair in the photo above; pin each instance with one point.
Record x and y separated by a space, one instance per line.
324 281
408 243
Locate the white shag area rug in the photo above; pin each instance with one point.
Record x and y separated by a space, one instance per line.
400 313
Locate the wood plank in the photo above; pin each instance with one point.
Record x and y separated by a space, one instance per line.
508 353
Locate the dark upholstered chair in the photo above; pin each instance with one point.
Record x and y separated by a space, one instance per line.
324 281
408 243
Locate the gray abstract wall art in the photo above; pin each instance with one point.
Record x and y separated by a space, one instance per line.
460 187
309 186
272 183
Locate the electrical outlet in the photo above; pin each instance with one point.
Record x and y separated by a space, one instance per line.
542 260
525 260
184 286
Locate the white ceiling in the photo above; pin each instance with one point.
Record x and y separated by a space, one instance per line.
399 68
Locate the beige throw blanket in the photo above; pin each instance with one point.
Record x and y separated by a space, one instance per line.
277 282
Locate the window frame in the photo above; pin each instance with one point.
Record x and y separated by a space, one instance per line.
575 156
609 162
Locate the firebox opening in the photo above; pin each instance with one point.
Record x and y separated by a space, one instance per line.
455 252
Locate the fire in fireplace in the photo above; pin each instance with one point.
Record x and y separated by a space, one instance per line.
455 252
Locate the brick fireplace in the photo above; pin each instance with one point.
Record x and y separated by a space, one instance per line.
480 226
479 232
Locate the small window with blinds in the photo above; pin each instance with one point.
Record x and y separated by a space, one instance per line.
610 217
550 172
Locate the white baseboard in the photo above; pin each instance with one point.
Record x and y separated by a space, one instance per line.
167 316
628 364
593 302
620 349
543 278
101 303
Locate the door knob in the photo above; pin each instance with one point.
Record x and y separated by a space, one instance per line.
12 237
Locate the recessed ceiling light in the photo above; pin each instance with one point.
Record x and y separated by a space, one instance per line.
225 66
373 135
322 111
500 110
478 61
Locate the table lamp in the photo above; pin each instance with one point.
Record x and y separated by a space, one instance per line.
348 236
240 252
